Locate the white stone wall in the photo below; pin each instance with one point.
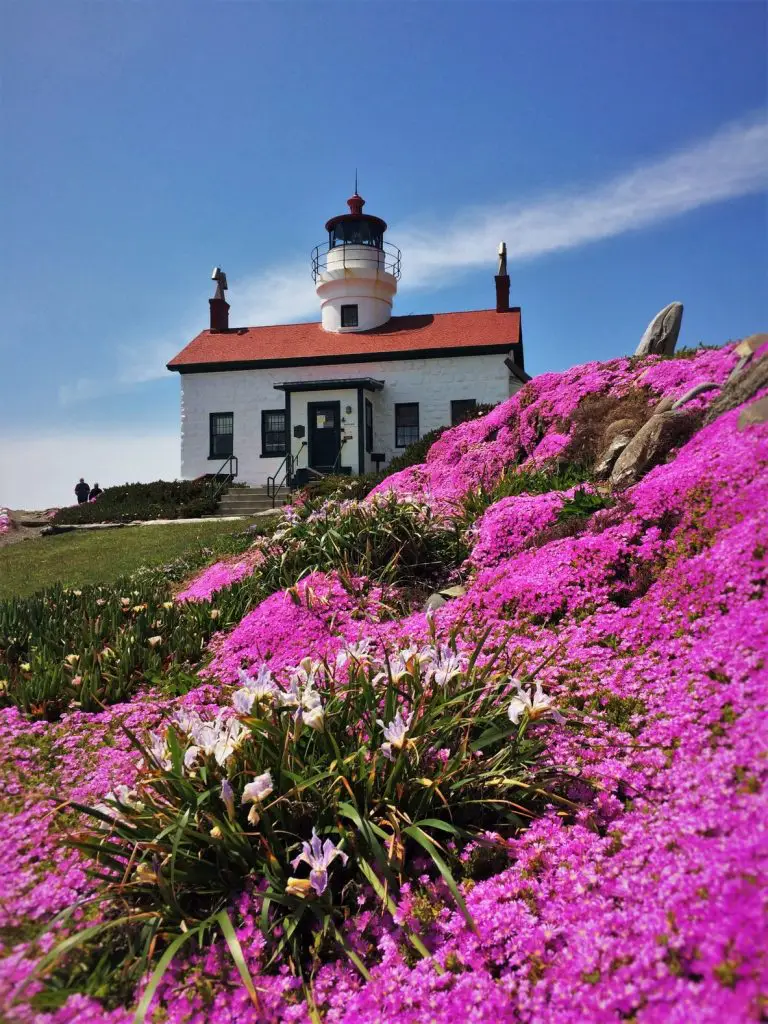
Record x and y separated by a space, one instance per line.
433 383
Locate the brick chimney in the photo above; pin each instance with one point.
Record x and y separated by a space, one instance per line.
219 305
502 281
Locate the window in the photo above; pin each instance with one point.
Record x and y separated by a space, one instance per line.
406 423
222 432
462 409
356 232
273 432
368 426
349 316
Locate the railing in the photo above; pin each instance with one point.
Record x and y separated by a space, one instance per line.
289 465
387 258
217 481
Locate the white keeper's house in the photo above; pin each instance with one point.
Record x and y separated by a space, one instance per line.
348 393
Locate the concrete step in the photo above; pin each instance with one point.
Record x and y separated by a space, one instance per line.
247 502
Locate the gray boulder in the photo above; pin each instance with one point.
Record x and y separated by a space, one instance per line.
605 463
662 332
624 425
435 601
651 445
755 413
664 405
697 389
750 345
740 389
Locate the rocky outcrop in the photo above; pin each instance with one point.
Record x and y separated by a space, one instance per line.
662 332
739 389
755 413
606 461
697 389
624 425
651 445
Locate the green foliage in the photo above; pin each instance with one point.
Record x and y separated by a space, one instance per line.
104 556
386 539
583 503
339 487
96 645
415 453
163 499
382 762
690 353
515 481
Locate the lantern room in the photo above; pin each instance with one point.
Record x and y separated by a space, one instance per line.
355 271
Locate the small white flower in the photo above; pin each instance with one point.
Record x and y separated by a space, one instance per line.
255 793
158 748
242 701
359 653
258 790
314 718
302 696
533 703
319 857
445 664
262 685
395 733
217 738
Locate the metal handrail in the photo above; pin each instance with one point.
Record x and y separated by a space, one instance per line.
387 258
223 479
289 462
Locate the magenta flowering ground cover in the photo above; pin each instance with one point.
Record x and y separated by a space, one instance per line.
649 626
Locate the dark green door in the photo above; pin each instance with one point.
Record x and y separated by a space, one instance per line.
324 435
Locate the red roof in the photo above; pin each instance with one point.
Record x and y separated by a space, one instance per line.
401 337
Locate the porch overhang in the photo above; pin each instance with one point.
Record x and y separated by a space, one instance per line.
338 384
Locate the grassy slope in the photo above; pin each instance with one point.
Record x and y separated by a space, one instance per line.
100 556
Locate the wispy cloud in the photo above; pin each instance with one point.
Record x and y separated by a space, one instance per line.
731 163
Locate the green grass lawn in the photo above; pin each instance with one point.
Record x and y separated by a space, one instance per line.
101 556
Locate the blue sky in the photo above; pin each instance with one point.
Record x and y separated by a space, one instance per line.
618 147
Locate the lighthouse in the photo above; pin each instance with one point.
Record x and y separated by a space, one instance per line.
280 405
355 271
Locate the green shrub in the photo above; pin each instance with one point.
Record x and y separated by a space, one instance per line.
582 504
386 539
96 645
514 481
415 453
340 487
378 761
162 499
91 646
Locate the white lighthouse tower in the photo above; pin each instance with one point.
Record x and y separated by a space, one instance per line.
355 271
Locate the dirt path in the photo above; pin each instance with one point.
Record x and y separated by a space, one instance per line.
19 532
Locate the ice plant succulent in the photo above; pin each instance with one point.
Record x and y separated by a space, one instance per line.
636 896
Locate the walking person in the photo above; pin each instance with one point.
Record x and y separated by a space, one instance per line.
82 490
95 492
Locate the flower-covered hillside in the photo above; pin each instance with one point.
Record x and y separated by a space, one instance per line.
537 423
544 800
